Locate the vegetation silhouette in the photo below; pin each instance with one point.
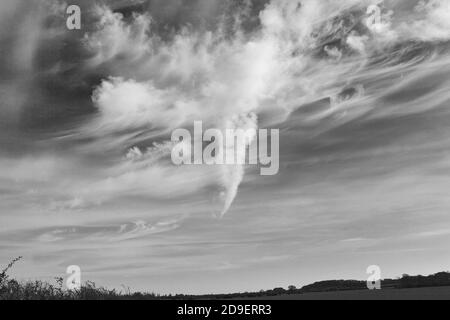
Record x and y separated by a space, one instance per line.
11 289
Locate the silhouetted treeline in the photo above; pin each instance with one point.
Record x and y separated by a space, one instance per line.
406 281
11 289
334 285
436 280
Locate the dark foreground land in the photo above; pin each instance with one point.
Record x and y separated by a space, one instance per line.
432 287
436 293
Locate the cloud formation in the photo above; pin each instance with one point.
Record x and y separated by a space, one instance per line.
86 118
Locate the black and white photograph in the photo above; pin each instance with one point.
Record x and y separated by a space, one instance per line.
241 152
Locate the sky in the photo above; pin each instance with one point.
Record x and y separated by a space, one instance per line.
86 118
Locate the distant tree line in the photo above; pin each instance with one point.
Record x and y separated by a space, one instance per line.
406 281
11 289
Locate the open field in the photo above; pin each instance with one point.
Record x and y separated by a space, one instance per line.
432 287
435 293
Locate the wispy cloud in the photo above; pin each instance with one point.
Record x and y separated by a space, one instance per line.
85 169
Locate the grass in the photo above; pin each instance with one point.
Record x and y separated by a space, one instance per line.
429 293
11 289
435 286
